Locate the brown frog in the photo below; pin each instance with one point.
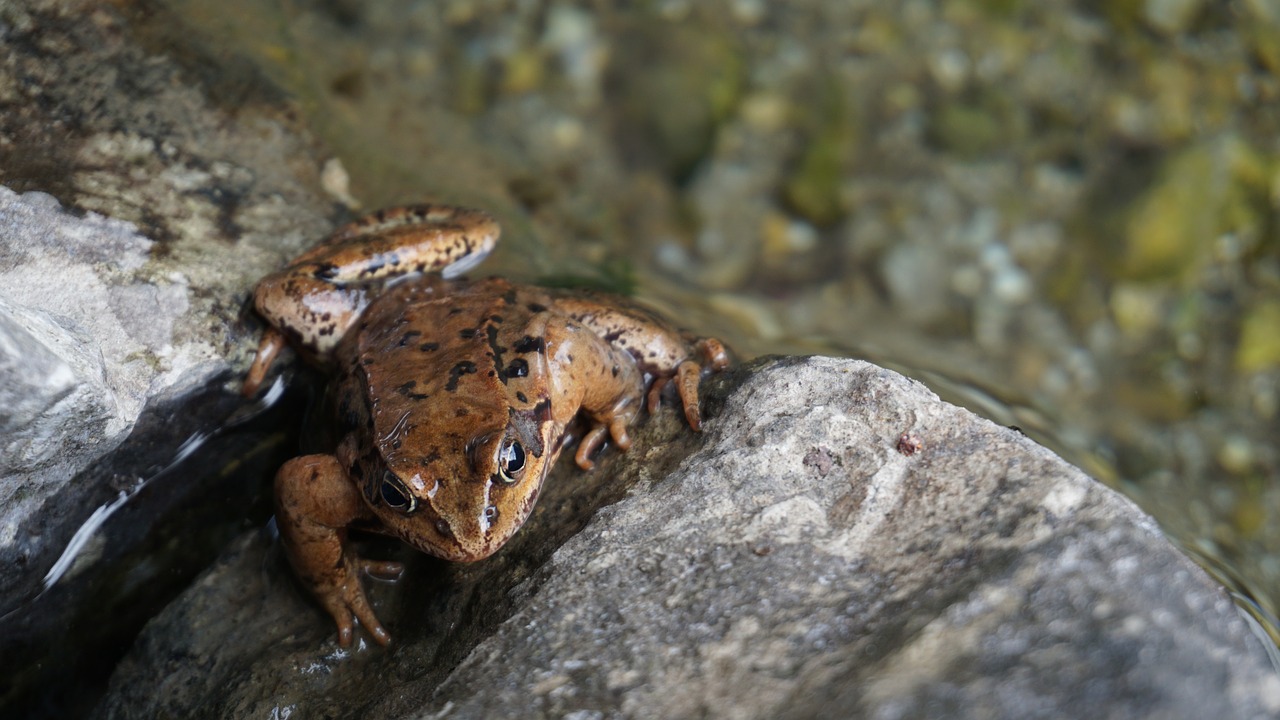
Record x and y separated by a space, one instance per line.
452 396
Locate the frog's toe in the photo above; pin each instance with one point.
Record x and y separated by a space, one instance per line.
346 628
714 354
358 605
687 378
349 604
618 431
588 446
655 393
375 629
382 569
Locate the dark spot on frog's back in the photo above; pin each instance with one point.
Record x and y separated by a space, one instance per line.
536 307
429 346
468 334
466 367
496 349
409 337
529 343
517 368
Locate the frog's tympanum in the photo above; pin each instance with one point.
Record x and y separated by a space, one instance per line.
452 396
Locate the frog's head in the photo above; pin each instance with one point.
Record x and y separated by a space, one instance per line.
460 483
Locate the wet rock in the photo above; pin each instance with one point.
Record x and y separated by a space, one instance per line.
138 203
79 364
796 563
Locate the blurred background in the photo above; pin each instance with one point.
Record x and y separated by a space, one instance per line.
1064 215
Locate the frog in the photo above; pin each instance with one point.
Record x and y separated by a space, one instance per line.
452 397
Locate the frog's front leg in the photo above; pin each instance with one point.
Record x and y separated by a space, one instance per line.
320 295
660 351
315 502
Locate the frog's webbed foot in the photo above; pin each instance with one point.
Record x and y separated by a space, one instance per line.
346 602
688 376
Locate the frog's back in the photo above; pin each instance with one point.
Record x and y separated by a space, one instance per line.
430 352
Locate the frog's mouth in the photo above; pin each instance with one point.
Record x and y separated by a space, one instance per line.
475 536
453 548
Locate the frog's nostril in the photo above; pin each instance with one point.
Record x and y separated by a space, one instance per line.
491 513
443 528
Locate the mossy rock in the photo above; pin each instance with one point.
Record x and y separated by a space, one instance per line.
1205 191
1259 347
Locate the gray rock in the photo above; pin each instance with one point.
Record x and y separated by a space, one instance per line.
82 342
137 207
803 560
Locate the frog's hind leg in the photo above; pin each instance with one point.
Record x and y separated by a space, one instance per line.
312 312
404 240
320 295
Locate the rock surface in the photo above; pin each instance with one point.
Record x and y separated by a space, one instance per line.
803 560
138 203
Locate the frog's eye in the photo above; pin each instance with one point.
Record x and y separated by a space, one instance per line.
510 461
395 494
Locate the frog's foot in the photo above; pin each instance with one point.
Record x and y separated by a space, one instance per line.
688 376
616 427
714 354
343 597
273 342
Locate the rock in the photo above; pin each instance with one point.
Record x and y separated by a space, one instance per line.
137 207
1259 347
1165 230
1171 16
78 364
803 560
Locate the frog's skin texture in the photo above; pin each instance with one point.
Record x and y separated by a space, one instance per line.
452 396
